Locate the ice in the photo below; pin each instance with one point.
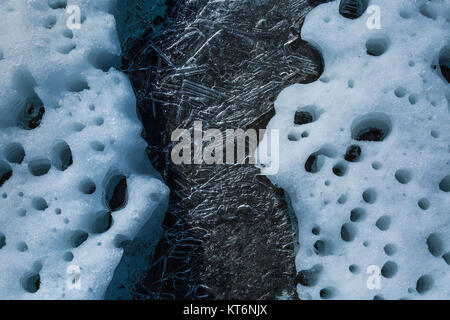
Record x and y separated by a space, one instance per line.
75 180
365 153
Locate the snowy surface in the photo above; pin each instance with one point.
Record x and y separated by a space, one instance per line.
75 181
365 154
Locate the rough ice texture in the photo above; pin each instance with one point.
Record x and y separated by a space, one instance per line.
75 181
365 154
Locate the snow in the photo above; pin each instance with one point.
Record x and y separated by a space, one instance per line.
364 154
75 179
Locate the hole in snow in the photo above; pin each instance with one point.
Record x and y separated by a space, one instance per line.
78 238
424 204
57 4
435 244
353 9
50 22
22 246
353 153
383 223
377 45
66 48
316 160
323 247
5 172
306 115
370 196
104 60
31 282
87 186
31 114
97 146
68 256
428 11
115 192
39 203
76 83
424 284
327 293
293 136
413 99
2 240
358 214
389 269
39 166
444 63
101 222
14 152
446 257
120 241
390 249
67 33
62 156
403 176
340 169
444 185
400 92
309 277
348 232
377 165
371 127
354 269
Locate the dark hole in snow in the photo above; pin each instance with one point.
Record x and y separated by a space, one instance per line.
2 240
435 244
14 153
31 282
87 186
316 160
358 214
327 293
444 185
353 9
39 203
309 277
323 247
302 117
353 153
78 237
38 167
371 127
389 269
62 156
5 172
115 193
348 232
340 169
57 4
424 284
101 222
31 114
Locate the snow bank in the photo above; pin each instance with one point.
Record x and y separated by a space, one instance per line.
365 153
75 183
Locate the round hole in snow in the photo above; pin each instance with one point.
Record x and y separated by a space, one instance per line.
424 204
435 244
327 293
390 249
413 99
5 172
50 22
22 213
76 83
101 222
377 165
389 269
403 176
323 247
78 237
383 223
354 269
62 156
87 186
370 196
306 115
353 9
293 136
444 184
39 203
342 199
404 14
14 152
358 214
353 153
444 63
446 257
57 4
340 169
39 166
377 45
434 134
31 282
373 126
428 11
31 113
68 256
400 92
316 230
424 284
348 232
99 121
22 246
58 211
